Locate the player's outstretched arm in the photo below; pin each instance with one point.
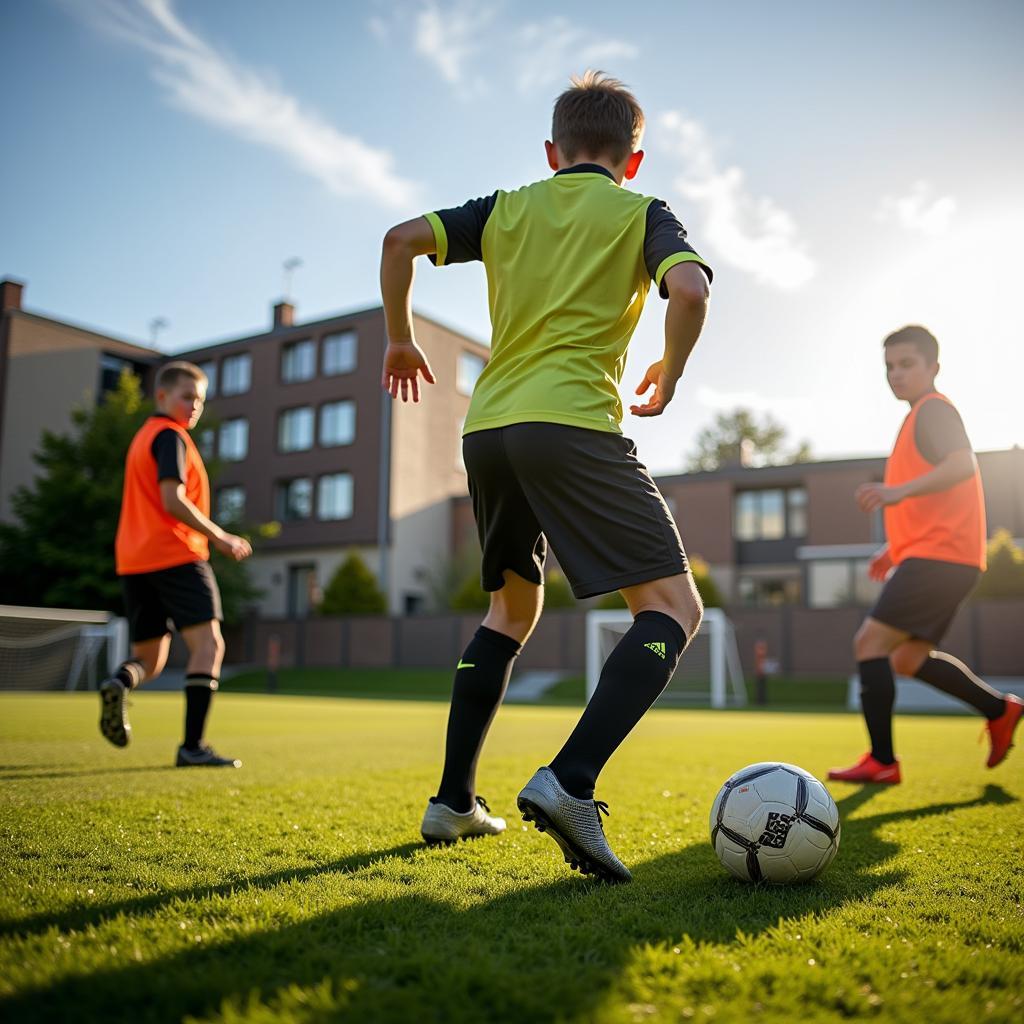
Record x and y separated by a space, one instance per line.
404 361
687 308
177 503
953 469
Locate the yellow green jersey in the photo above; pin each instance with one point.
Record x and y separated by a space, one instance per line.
569 262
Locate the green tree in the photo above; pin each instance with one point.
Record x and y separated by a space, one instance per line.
706 587
1005 576
60 551
738 438
353 590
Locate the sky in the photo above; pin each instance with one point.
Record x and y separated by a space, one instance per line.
845 168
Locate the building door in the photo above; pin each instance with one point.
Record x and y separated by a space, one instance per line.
301 590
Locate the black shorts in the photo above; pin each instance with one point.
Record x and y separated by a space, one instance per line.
185 594
922 596
582 490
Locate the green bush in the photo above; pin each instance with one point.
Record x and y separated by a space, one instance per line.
353 590
1004 579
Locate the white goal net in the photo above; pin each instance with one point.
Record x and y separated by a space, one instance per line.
708 673
59 648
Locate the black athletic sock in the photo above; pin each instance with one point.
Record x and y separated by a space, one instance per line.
199 687
631 681
877 697
131 673
946 673
480 683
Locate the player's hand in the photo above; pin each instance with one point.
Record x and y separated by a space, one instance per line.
664 389
880 565
404 361
234 547
873 496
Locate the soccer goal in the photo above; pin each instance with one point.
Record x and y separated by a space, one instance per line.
709 671
59 648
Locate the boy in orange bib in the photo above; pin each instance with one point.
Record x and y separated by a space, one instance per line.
162 554
934 512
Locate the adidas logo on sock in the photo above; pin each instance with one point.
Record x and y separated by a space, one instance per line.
659 649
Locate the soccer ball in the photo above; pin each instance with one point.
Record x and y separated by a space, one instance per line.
774 822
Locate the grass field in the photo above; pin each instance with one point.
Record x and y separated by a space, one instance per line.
297 889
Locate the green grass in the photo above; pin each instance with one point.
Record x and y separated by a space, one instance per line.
297 889
436 684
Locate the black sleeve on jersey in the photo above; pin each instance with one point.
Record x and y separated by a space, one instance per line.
665 237
939 431
169 451
464 226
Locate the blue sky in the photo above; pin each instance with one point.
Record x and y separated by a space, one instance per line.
846 169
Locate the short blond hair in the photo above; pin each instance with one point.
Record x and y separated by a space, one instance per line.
170 373
597 116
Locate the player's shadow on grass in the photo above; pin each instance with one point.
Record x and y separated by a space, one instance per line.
15 773
539 953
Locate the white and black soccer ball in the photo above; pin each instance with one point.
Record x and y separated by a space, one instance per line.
774 822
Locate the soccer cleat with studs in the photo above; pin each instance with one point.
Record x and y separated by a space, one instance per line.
442 825
868 769
574 824
114 724
203 757
1000 730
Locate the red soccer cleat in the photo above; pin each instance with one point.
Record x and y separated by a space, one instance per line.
1000 730
869 769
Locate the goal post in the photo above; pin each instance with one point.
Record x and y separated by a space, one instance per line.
708 673
59 648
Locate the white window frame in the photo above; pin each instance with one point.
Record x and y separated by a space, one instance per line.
347 403
226 430
290 355
289 416
231 363
320 496
352 352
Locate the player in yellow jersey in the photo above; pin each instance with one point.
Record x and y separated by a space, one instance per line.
569 262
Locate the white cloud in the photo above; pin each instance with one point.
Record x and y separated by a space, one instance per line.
751 233
207 83
449 37
727 401
550 51
918 210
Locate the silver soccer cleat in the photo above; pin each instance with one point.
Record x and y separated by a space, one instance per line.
443 825
574 824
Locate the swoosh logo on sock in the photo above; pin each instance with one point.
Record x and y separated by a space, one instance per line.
464 664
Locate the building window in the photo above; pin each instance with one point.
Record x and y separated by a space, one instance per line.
770 514
334 496
295 430
111 369
767 591
298 361
210 369
836 582
206 442
231 504
294 499
236 374
234 440
470 367
796 512
339 353
337 423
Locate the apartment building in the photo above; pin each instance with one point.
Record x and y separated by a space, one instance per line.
304 438
779 535
47 368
